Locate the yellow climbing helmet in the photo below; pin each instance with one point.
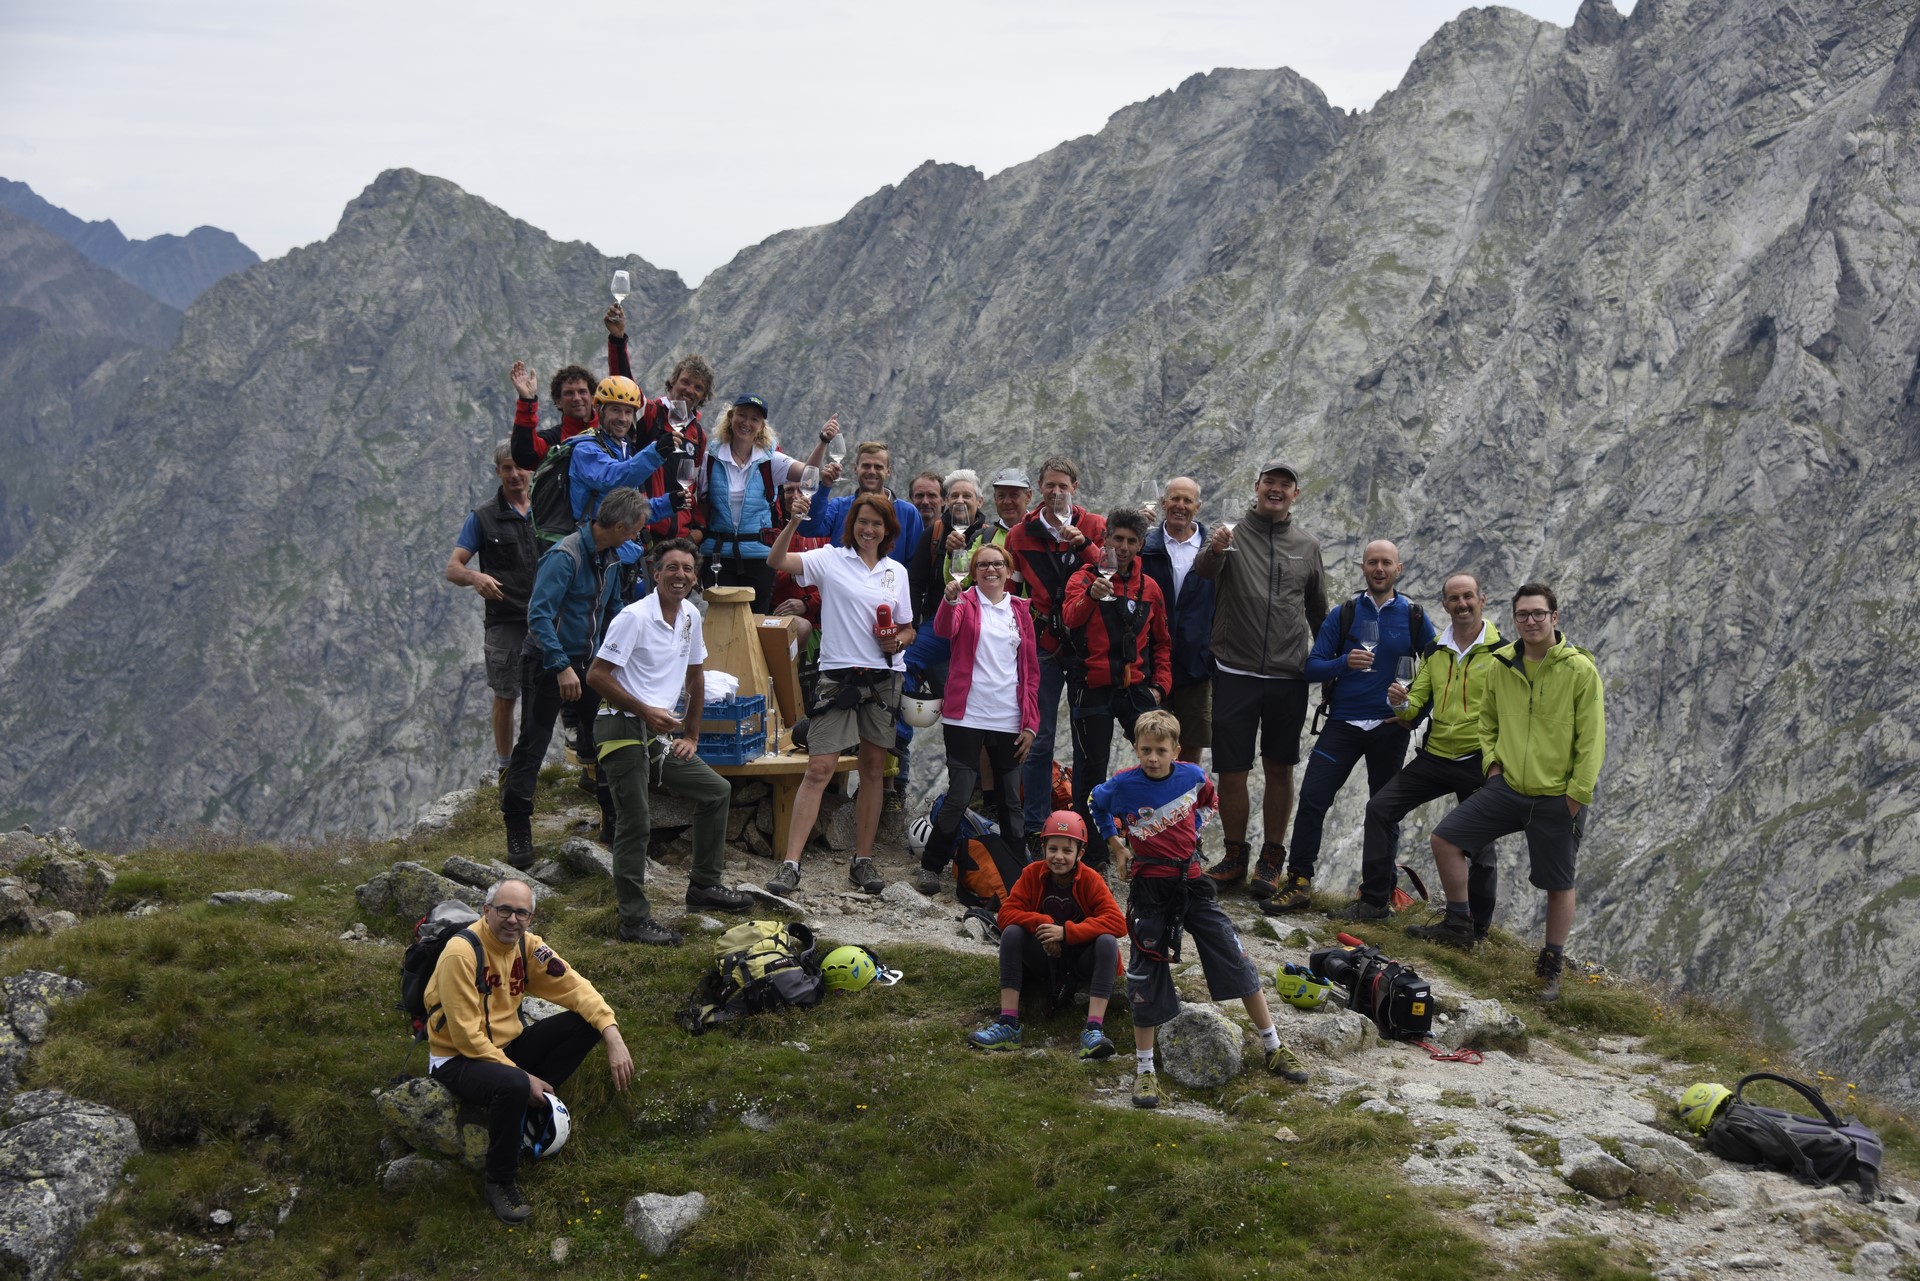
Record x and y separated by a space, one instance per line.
618 390
848 968
1300 986
1701 1101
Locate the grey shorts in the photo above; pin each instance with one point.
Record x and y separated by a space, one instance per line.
1192 706
836 731
502 650
1496 810
1229 971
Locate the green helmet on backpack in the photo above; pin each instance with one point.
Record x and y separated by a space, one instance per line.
1701 1102
1300 986
849 968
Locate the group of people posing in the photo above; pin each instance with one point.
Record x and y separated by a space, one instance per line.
1008 601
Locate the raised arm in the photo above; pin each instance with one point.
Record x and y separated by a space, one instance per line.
779 555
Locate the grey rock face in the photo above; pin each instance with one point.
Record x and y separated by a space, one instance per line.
60 1159
427 1115
1199 1047
75 885
658 1221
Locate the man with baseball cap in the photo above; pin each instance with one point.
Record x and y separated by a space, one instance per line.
1271 599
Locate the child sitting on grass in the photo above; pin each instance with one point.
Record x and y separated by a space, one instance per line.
1161 807
1060 919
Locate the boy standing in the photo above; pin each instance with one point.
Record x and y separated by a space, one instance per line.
1060 918
1161 806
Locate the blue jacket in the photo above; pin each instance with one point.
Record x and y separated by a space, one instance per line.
1190 618
756 511
1362 696
828 519
594 473
561 618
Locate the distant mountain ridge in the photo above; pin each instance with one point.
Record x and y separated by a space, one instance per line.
173 269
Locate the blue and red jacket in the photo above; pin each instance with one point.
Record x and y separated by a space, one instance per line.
1159 818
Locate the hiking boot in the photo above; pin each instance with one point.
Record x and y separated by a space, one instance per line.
927 881
866 876
893 802
1146 1090
1286 1065
1266 873
718 896
507 1204
786 881
997 1035
1451 930
519 850
1546 968
649 931
1295 896
1094 1045
1232 867
1361 910
588 781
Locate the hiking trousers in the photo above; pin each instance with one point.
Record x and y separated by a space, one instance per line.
552 1049
1338 749
964 745
1094 712
1426 777
1036 776
540 703
628 771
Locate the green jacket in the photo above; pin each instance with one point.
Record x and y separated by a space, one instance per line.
1546 726
1456 686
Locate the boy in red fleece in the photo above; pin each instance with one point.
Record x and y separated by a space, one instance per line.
1060 918
1160 807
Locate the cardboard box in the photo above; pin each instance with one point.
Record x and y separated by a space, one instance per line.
780 644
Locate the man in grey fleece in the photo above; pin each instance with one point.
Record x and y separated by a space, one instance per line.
1271 599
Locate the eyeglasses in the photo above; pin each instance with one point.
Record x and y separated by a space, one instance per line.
1532 615
513 913
991 567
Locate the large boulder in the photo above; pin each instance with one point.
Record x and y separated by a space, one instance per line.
587 858
74 884
411 890
1585 1165
439 816
16 902
1330 1030
484 876
17 847
658 1221
1199 1047
1483 1025
60 1159
425 1113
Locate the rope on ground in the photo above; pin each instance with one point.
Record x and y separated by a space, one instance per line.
1439 1055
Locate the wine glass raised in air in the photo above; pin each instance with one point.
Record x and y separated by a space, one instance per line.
1109 565
622 286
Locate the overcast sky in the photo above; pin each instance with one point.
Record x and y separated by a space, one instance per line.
679 133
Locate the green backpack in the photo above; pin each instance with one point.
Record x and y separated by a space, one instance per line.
758 965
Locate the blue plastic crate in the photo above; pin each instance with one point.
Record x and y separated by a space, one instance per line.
736 716
732 749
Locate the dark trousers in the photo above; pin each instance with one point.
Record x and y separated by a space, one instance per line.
1338 749
1094 713
1097 962
552 1049
963 775
1036 776
540 702
745 572
1425 778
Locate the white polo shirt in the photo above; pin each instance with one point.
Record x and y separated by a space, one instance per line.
651 655
850 593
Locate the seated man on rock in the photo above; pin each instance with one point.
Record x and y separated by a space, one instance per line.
477 1047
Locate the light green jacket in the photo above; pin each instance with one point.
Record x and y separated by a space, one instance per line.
1545 726
1456 685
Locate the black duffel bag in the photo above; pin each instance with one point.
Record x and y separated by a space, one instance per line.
1817 1150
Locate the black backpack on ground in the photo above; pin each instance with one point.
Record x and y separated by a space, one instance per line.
446 921
1817 1150
1399 1001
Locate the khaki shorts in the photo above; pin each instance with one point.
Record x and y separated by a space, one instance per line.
835 732
1192 706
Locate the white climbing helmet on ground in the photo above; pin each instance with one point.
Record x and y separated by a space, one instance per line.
919 832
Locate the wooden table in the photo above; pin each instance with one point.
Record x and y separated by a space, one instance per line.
783 770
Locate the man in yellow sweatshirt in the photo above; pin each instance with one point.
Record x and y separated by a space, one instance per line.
477 1047
1543 735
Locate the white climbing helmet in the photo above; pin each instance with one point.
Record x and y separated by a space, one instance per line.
920 711
918 833
545 1132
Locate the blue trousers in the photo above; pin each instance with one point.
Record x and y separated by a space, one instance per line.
1338 749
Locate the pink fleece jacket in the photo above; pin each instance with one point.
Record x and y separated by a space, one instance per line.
959 623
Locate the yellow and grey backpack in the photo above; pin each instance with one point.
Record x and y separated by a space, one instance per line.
758 965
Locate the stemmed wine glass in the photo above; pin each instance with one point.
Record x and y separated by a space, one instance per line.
837 447
809 480
1367 632
622 286
1151 504
1228 526
1109 565
1404 668
679 414
685 474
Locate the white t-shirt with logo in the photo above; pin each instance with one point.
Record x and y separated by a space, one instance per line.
850 595
651 655
993 698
